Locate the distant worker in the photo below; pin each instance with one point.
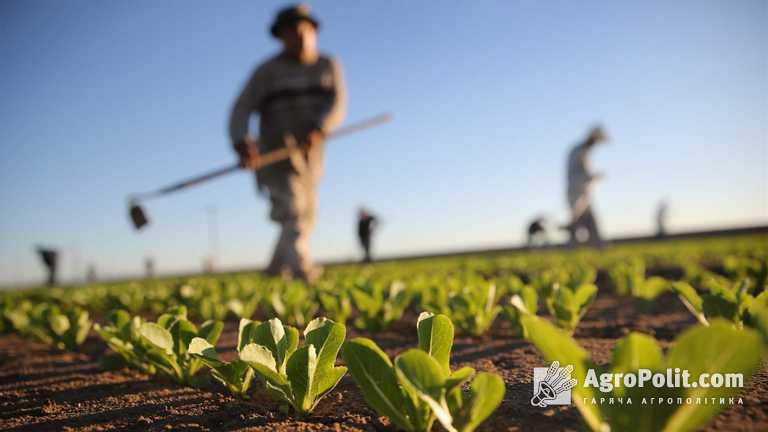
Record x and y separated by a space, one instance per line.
300 98
661 218
366 225
580 182
149 267
537 232
90 274
50 258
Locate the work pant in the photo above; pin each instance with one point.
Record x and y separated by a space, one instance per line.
293 199
365 242
587 221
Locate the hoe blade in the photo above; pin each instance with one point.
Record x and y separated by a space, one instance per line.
138 217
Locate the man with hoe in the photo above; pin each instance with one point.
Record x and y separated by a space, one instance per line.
580 182
366 225
300 98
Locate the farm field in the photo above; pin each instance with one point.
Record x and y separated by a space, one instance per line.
510 313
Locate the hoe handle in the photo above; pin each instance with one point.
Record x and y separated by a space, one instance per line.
267 158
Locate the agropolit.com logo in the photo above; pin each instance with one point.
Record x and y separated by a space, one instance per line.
552 386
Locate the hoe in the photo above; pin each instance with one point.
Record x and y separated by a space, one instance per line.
139 217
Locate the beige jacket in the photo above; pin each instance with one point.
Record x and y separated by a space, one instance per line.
290 97
580 179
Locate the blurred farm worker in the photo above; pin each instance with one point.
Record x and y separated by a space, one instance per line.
50 258
366 225
300 97
537 232
149 267
661 218
580 182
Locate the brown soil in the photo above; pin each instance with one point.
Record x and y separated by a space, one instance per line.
45 389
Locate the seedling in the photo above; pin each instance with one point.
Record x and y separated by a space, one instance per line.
300 377
419 386
379 304
236 375
719 348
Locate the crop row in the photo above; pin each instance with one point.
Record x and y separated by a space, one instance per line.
721 283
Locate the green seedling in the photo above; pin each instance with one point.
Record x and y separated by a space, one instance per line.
719 348
419 386
299 377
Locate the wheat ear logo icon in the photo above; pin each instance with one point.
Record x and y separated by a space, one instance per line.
553 384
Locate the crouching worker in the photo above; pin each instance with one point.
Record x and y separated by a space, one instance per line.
299 96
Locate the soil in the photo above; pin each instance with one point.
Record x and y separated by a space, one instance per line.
42 388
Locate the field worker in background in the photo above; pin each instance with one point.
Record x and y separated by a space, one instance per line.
580 182
537 232
661 218
366 225
50 258
300 97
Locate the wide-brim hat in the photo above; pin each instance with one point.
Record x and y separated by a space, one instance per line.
598 134
292 15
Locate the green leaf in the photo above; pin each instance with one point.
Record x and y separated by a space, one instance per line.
157 336
245 333
529 298
204 350
119 318
718 348
584 296
182 332
633 352
636 351
261 360
375 376
280 340
326 336
211 330
486 393
59 324
691 300
555 344
436 338
301 373
458 378
421 374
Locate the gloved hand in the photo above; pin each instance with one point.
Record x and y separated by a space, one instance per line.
248 151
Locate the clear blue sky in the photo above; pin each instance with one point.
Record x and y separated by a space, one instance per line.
101 99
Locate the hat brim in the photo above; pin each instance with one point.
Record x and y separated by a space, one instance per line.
275 29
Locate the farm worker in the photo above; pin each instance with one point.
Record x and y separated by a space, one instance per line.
661 218
300 97
537 232
366 224
580 181
50 258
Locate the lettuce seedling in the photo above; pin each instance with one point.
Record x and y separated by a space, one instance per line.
166 343
292 302
722 301
236 375
48 323
475 306
419 386
121 334
567 306
629 280
379 304
65 329
525 300
300 377
719 348
335 301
